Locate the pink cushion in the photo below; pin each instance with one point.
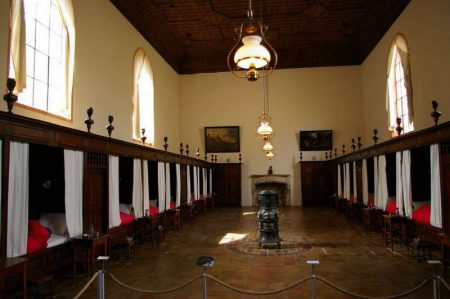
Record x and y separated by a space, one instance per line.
126 218
153 211
371 202
392 207
352 198
172 205
422 214
35 244
36 229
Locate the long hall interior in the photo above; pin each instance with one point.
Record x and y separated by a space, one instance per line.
246 149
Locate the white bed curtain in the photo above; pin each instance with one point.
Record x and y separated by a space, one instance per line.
382 183
168 195
188 187
399 183
146 188
73 181
406 183
375 182
365 183
355 188
113 195
195 183
17 227
205 182
435 215
339 181
178 198
198 183
161 187
1 169
347 181
137 188
210 181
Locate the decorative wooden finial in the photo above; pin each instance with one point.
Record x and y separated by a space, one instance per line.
206 157
399 128
143 138
435 114
375 137
353 144
359 143
181 148
215 158
110 127
240 158
326 155
335 152
187 150
301 156
343 149
331 155
197 153
9 97
165 145
89 122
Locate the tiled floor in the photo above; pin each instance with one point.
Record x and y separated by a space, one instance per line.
348 257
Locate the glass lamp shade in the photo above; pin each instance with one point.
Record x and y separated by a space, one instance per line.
264 129
270 155
252 55
267 147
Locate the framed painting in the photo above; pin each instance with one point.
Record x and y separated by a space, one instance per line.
316 140
222 139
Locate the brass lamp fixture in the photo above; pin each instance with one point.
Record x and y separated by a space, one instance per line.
252 57
264 129
267 147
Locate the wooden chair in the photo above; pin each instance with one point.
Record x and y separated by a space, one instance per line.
393 227
174 220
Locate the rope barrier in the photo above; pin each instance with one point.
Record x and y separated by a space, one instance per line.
86 286
403 294
251 292
152 291
444 283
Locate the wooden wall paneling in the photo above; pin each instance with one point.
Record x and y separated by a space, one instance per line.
359 180
183 173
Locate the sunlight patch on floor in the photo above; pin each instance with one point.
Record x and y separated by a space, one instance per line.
248 213
231 237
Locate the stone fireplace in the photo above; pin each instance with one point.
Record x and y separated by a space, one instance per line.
275 182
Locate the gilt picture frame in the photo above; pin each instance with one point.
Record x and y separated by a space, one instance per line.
222 139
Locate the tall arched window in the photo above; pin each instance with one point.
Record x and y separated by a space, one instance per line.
399 89
42 49
143 97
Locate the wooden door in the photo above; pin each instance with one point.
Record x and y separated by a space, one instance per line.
220 184
234 185
315 180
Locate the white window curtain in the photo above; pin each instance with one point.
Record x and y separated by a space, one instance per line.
113 195
178 199
188 187
161 187
347 181
146 188
382 183
399 183
73 180
18 44
137 188
168 195
355 187
435 215
18 184
375 182
210 182
365 183
205 182
406 183
198 183
339 182
195 183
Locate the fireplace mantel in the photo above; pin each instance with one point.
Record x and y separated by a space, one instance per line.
280 183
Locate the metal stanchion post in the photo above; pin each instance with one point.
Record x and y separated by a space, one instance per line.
205 261
101 277
436 279
314 280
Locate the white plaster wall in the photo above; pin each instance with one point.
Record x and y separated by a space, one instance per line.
300 99
105 46
425 24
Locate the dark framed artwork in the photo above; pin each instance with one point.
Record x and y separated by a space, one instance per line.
316 140
222 139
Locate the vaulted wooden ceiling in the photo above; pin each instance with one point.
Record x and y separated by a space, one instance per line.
194 36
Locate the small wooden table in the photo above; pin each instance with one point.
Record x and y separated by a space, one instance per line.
393 225
10 267
90 246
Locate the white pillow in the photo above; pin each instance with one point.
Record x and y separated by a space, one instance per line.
125 208
56 222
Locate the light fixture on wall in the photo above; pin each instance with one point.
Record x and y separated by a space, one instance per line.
252 57
270 155
265 129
